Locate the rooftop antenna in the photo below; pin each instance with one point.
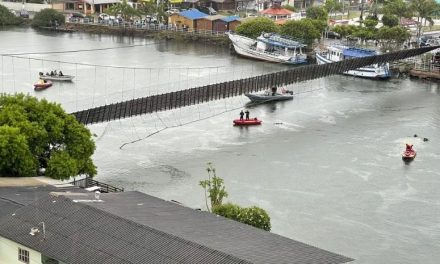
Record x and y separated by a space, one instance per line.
35 230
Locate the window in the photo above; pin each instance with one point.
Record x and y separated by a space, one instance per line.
23 255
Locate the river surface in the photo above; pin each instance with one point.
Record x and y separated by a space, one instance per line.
326 166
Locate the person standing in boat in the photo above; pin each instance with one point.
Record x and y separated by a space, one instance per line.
241 115
61 73
247 114
274 90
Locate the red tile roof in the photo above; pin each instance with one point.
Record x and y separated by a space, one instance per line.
276 11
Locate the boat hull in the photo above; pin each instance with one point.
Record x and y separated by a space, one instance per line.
64 78
42 86
247 122
242 45
262 98
381 72
409 155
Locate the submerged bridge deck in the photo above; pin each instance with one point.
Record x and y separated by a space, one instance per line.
182 98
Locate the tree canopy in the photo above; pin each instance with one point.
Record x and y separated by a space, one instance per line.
7 18
36 134
47 17
123 9
303 29
390 20
317 12
253 28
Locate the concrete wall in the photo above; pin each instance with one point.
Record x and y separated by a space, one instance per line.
29 7
9 253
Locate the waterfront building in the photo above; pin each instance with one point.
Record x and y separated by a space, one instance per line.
47 224
218 23
186 19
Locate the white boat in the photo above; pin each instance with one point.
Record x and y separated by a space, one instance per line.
339 53
269 47
57 77
269 96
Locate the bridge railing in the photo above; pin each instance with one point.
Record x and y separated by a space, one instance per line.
89 182
216 91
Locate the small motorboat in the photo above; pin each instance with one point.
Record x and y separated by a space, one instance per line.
56 77
247 122
409 153
42 85
270 96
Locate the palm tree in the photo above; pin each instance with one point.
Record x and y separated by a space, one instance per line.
424 10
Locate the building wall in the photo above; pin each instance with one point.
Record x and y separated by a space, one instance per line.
219 26
29 7
9 253
233 25
179 20
204 24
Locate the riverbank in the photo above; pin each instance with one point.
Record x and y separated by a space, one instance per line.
215 38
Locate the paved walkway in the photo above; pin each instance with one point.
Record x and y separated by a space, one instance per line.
31 181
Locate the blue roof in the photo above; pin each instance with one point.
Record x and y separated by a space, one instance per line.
230 18
358 53
192 14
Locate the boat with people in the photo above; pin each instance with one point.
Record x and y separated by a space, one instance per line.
42 84
270 95
56 76
269 47
247 122
337 53
409 153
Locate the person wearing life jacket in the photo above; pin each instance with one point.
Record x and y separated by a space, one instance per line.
409 147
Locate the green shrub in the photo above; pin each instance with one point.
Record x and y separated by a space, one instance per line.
253 28
47 18
7 18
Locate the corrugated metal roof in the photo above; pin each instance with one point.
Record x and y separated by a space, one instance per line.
133 227
192 14
214 17
230 18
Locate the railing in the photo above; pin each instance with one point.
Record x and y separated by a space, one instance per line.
89 182
150 27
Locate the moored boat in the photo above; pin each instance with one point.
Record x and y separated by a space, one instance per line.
247 122
269 47
338 53
42 85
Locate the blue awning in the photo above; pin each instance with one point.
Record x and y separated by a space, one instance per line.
358 53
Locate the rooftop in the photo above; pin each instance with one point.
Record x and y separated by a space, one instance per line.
192 14
277 12
131 227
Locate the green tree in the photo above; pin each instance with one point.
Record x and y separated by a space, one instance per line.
253 28
15 156
56 141
7 18
424 9
124 9
47 18
302 29
370 23
398 8
332 6
392 37
214 186
345 30
389 20
317 12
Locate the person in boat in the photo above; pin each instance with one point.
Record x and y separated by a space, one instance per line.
247 114
60 73
47 73
55 72
241 115
409 147
274 90
51 73
40 73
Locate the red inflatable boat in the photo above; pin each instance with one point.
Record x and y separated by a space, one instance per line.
41 86
409 153
248 122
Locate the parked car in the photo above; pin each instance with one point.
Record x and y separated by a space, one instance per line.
24 13
333 35
208 10
172 11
